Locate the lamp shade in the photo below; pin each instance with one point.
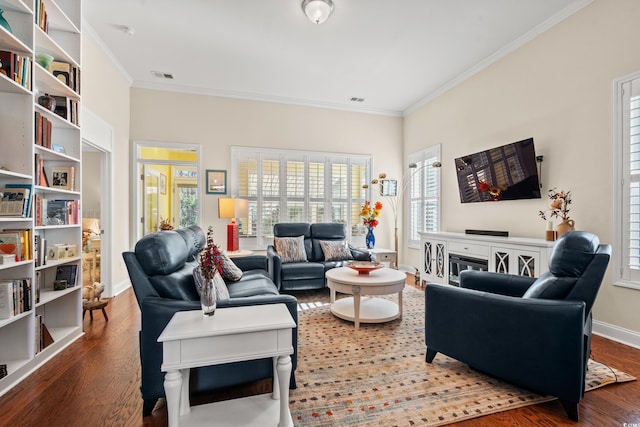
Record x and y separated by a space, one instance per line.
317 10
233 208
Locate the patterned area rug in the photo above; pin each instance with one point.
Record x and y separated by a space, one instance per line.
377 375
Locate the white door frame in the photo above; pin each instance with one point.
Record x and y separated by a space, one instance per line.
99 134
136 162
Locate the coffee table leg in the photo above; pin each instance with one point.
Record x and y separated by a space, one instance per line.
356 306
400 305
284 374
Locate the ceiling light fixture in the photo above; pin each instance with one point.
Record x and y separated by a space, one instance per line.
317 10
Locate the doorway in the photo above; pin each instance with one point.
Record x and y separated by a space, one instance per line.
97 143
166 193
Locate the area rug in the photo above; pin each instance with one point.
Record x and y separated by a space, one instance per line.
377 375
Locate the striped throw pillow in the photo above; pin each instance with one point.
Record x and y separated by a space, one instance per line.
335 250
291 249
230 271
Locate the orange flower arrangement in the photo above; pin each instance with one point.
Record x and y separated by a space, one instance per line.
370 213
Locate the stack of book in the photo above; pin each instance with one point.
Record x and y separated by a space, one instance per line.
42 19
43 128
16 67
15 297
15 200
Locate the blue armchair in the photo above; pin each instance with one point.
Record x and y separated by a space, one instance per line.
160 269
534 333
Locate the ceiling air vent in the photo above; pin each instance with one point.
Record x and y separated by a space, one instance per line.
162 75
356 99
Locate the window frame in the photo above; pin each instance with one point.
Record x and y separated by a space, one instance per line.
624 276
263 238
433 155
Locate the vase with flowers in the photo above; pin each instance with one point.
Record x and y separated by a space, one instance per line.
369 214
210 261
559 208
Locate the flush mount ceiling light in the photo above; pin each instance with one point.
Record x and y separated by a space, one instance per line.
317 10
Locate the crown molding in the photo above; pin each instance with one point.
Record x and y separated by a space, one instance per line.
87 30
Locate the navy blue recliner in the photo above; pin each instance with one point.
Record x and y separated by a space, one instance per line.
160 269
534 333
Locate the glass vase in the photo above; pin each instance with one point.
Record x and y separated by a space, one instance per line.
208 297
370 239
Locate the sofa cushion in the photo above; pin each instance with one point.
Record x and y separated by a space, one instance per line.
335 250
221 287
302 271
252 285
176 285
291 249
324 231
230 270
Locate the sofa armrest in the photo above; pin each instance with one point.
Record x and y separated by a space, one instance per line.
251 262
359 255
274 266
496 283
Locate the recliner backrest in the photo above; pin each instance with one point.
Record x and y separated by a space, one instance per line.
168 259
324 231
577 266
295 229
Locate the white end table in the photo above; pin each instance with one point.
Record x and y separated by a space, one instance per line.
233 334
384 255
383 281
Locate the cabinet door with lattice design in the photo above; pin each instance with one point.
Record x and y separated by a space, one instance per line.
434 261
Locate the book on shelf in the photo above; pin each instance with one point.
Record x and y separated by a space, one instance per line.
43 128
68 272
43 337
29 200
16 67
15 201
41 16
39 172
15 297
60 212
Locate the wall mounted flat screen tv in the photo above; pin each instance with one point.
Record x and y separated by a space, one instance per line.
508 172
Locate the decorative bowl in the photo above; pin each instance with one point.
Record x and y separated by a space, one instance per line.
44 59
364 267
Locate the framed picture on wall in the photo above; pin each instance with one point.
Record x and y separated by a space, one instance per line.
163 184
216 181
388 187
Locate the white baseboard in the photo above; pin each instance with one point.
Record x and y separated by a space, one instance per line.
121 287
617 333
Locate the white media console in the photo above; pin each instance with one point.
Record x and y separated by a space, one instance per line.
445 255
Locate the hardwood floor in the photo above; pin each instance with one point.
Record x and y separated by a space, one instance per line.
95 382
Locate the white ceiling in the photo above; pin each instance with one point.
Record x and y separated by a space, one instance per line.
393 53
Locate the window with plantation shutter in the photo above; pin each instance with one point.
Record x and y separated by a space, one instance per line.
627 233
296 186
423 198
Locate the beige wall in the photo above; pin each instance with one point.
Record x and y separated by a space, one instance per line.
106 93
558 89
219 123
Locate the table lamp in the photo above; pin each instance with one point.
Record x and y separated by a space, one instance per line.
232 208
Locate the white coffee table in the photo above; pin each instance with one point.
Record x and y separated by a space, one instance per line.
233 334
357 309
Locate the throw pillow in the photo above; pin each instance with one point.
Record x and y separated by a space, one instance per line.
291 249
221 288
230 271
335 250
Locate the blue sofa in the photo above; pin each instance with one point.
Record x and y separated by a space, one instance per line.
160 269
309 274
